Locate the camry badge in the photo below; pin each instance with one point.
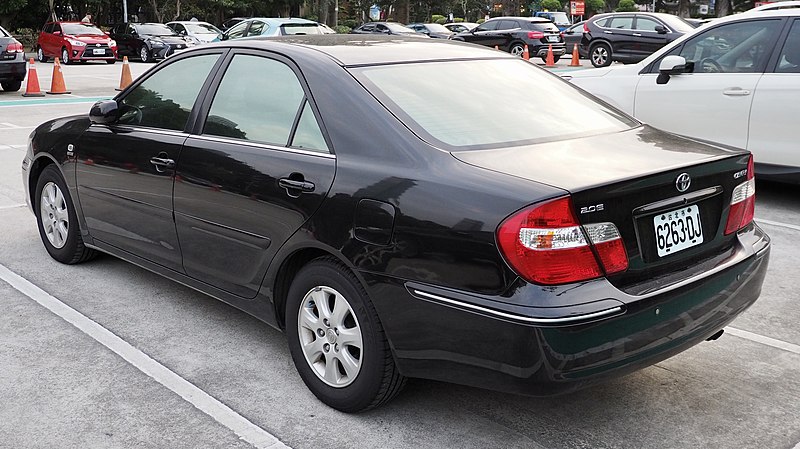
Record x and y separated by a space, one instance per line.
683 182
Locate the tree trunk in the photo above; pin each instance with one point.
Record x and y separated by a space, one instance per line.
722 7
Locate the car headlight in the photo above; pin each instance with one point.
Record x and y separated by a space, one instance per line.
155 42
112 43
76 43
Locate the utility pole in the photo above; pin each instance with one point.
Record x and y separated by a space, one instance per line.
125 11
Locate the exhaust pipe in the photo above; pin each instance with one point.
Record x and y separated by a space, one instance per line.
716 335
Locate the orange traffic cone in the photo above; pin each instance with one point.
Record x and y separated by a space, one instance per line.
576 59
125 80
549 60
32 87
57 85
526 55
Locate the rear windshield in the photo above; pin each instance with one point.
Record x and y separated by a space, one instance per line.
559 18
543 26
202 28
396 28
3 32
487 103
300 28
436 28
75 29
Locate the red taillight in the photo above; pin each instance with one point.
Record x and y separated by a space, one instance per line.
743 202
546 244
586 27
15 47
535 35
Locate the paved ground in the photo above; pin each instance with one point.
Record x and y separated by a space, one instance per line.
59 387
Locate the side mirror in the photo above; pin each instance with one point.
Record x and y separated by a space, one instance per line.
670 65
223 37
660 29
57 33
104 112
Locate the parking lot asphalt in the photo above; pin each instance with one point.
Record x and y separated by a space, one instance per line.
68 384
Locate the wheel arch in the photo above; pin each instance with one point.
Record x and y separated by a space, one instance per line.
36 168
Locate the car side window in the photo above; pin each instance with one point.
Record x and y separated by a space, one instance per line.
741 47
507 25
165 99
646 24
488 26
789 61
620 23
179 28
56 28
256 28
382 29
308 136
262 110
237 30
368 28
48 28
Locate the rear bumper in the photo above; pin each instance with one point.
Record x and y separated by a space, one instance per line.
543 351
12 70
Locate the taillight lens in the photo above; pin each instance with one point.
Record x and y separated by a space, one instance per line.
15 47
585 27
535 35
743 202
546 244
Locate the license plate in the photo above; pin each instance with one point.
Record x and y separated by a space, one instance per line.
677 230
99 51
552 38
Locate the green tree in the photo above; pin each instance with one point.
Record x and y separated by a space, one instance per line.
626 6
551 5
594 6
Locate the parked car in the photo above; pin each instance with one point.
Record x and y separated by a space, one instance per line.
148 41
268 26
385 28
202 32
395 227
511 34
434 30
458 27
629 37
735 81
573 36
75 41
12 62
560 18
774 6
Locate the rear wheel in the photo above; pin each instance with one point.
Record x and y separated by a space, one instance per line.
517 49
40 55
11 86
336 339
57 219
600 55
111 61
65 55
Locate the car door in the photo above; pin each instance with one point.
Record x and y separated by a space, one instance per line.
648 38
505 33
126 169
54 41
619 33
713 101
483 34
251 174
776 106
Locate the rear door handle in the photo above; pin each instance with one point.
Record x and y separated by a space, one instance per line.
292 184
736 92
637 34
607 32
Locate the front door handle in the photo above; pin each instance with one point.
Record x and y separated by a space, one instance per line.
162 163
607 32
296 185
736 92
637 34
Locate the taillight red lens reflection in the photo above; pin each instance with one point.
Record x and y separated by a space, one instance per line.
535 35
743 202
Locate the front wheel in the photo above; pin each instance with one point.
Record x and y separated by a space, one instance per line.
144 54
336 339
65 55
600 55
57 219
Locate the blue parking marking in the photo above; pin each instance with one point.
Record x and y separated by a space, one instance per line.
5 103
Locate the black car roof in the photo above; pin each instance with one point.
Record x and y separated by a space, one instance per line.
358 49
527 19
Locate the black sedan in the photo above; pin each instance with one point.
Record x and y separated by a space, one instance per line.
512 34
148 41
629 37
329 186
12 62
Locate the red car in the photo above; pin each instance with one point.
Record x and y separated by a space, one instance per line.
75 41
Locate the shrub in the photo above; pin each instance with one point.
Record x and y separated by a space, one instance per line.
458 20
342 29
626 6
436 18
552 5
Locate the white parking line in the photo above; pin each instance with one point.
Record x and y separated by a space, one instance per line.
13 206
777 223
220 412
780 344
6 125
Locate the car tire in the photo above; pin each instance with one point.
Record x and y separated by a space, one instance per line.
111 61
341 374
40 55
517 49
57 220
65 56
11 86
600 55
144 54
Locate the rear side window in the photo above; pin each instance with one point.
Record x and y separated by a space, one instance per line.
508 25
165 99
620 23
265 108
429 98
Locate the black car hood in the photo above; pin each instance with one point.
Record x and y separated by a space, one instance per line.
578 164
167 39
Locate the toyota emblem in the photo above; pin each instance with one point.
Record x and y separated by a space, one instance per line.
683 182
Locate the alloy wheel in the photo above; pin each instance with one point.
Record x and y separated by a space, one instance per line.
54 215
600 56
330 336
65 56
